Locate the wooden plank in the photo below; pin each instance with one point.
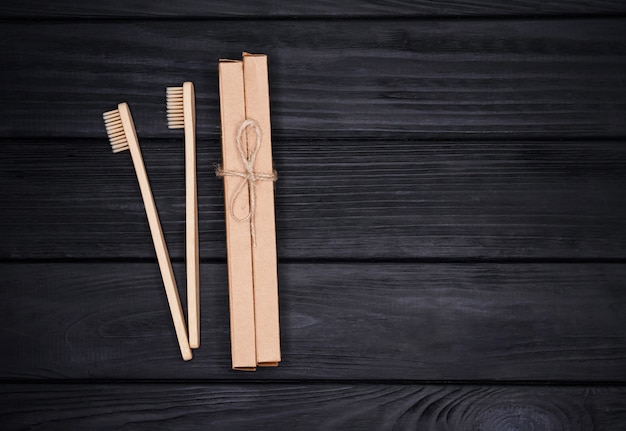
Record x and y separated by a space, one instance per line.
343 78
334 199
295 9
510 322
310 407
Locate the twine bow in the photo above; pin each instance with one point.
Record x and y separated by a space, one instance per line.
249 176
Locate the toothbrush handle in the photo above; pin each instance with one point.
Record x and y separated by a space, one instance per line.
163 257
191 232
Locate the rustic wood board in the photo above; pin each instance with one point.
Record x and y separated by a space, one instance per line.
334 199
294 9
338 78
326 406
517 322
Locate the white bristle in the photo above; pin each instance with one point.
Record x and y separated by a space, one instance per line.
175 115
115 130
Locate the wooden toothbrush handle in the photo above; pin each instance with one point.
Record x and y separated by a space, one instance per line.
160 247
191 231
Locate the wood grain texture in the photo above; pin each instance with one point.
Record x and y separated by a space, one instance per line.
334 199
427 165
537 322
296 9
339 78
310 407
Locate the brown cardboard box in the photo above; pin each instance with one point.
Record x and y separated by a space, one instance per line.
238 240
264 253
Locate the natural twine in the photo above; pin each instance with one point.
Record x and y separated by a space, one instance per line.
249 176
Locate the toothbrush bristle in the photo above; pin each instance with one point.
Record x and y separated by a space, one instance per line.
115 130
175 115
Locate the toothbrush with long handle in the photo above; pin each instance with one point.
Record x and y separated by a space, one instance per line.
181 114
122 134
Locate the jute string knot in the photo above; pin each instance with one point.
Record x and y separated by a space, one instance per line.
249 176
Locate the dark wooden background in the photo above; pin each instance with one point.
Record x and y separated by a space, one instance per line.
451 215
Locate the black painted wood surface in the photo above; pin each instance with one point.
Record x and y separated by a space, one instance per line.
435 79
450 216
343 199
539 322
302 10
325 406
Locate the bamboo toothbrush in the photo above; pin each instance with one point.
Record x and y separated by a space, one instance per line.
181 114
121 131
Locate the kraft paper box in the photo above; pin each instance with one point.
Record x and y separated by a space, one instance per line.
249 199
238 240
264 253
